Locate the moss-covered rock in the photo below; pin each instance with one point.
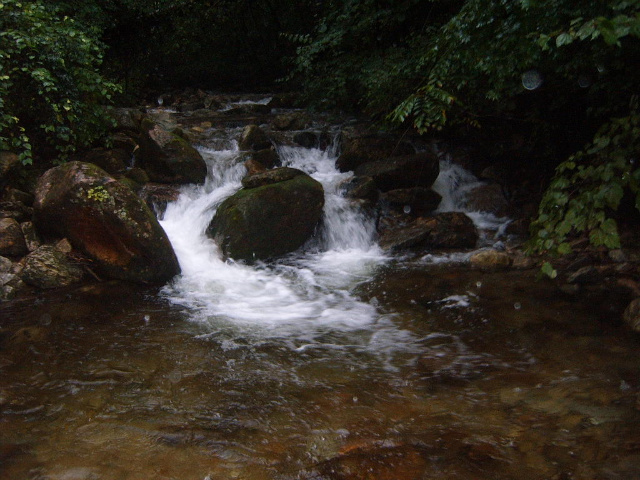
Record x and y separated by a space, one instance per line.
169 158
270 219
106 221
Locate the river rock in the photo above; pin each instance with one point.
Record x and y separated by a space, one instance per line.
127 119
169 158
254 166
276 213
444 230
110 160
490 260
632 315
12 243
362 188
10 282
292 121
488 198
9 163
383 462
106 221
48 267
16 210
410 171
253 138
267 157
365 147
419 200
31 239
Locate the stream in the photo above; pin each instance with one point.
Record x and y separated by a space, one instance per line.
340 361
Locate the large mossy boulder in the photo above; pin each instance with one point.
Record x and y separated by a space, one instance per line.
275 213
106 221
169 158
410 171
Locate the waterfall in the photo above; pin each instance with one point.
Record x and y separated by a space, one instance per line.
301 294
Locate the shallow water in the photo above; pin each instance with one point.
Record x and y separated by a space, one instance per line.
463 375
338 362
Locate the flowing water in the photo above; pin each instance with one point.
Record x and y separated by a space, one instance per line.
337 362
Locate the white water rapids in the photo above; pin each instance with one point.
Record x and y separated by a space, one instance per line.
300 295
303 297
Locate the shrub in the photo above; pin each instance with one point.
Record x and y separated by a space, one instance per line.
51 93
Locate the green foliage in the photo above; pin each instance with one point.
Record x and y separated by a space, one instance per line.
480 54
50 88
365 54
587 187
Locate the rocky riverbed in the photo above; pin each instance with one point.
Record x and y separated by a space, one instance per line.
393 330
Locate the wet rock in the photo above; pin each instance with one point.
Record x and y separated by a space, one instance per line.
283 100
267 157
127 118
169 158
276 213
306 139
588 275
12 243
110 160
9 163
31 239
18 196
490 199
419 170
270 177
490 260
444 230
418 201
156 196
291 121
402 462
253 167
364 147
48 267
363 188
191 106
138 175
10 282
253 138
16 210
105 221
28 335
632 315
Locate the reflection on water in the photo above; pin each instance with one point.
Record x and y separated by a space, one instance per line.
453 382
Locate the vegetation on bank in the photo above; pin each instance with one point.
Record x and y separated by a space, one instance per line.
562 75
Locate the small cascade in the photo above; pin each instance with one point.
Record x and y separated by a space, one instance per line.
454 183
300 295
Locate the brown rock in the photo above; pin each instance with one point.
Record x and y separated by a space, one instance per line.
490 260
12 243
105 221
411 171
253 138
365 147
632 315
444 230
48 267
